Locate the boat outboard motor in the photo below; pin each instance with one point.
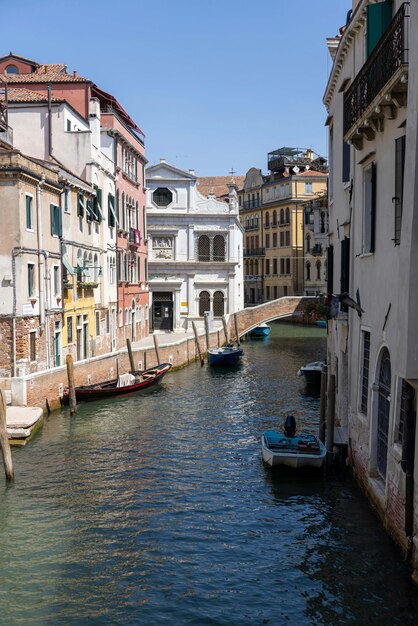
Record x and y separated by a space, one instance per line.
290 426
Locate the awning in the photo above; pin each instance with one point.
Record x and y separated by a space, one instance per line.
68 265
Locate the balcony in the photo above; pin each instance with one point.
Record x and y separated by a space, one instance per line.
255 252
134 238
251 204
380 87
316 250
253 226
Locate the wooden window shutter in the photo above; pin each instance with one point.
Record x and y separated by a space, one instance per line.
399 176
379 16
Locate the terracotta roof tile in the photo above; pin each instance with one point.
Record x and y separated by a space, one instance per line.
217 185
20 94
54 73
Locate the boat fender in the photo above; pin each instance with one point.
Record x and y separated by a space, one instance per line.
290 426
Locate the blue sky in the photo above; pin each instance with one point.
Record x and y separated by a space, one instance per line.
213 84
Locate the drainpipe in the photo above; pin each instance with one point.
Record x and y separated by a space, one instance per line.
41 259
14 253
49 121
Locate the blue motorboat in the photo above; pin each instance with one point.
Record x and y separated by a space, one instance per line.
262 330
291 450
321 323
228 355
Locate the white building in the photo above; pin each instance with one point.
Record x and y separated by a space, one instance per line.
195 250
372 101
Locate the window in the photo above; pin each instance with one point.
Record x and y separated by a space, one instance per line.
267 219
203 248
287 215
31 279
346 162
97 205
308 186
204 303
308 243
267 267
32 345
281 216
287 266
399 176
68 125
379 16
138 270
70 329
111 217
287 189
365 358
318 270
107 321
369 208
97 323
218 303
308 271
67 200
274 192
218 248
281 266
267 195
80 205
56 280
287 234
274 240
282 191
29 212
162 197
56 224
274 266
12 69
267 241
274 218
267 293
282 238
345 269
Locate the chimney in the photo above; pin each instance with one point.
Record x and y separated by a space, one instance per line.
191 171
75 74
45 69
162 160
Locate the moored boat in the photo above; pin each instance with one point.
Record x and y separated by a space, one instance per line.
127 383
228 355
312 372
290 450
321 323
262 330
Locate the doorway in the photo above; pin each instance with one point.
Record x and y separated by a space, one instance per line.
162 310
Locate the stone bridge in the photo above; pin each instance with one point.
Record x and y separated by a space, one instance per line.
251 317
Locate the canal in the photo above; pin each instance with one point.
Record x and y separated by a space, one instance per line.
157 509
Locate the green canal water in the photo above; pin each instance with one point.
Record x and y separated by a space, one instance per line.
157 509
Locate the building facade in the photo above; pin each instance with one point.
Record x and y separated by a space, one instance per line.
372 103
195 250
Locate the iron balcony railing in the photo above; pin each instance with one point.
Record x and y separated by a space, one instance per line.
252 226
252 204
255 252
389 55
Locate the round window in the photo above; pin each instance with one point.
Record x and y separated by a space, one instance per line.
162 196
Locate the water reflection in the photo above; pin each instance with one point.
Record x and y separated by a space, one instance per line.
158 508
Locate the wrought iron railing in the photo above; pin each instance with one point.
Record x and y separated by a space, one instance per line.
390 53
254 252
252 204
252 226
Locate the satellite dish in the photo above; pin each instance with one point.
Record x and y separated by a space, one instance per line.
307 167
295 169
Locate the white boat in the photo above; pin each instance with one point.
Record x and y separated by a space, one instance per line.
312 372
291 450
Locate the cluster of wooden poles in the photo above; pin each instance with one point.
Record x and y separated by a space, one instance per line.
327 412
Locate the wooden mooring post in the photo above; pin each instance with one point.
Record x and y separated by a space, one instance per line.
196 339
236 329
71 385
323 404
207 332
330 418
4 439
225 329
131 356
156 346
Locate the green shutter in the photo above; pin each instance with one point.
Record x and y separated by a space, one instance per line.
53 219
379 16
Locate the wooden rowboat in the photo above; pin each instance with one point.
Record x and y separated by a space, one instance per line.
127 383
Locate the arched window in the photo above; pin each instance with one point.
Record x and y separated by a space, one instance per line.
256 268
203 248
219 248
274 218
120 317
308 243
218 303
12 69
318 270
126 316
125 266
287 215
325 271
204 303
267 219
322 228
308 271
96 268
383 410
281 216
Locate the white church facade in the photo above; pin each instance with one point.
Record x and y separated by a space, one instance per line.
195 248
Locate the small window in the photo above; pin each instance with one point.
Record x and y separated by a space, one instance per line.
308 271
204 303
12 69
56 280
219 248
162 197
29 212
97 323
70 329
67 200
56 227
364 393
32 345
308 186
31 279
218 303
203 248
68 125
107 319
